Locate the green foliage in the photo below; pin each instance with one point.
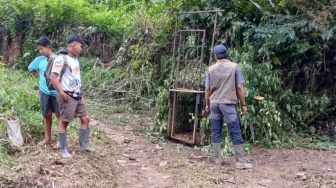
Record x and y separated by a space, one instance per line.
283 56
130 36
63 13
205 130
271 120
16 15
162 109
296 37
129 85
99 24
112 22
303 109
19 98
324 142
285 48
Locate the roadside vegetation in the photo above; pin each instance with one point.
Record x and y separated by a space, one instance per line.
286 50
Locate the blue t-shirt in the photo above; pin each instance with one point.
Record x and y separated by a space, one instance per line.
40 65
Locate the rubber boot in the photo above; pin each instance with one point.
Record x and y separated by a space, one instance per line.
90 149
84 140
218 153
62 137
240 158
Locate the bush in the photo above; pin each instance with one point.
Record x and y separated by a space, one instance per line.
273 119
19 98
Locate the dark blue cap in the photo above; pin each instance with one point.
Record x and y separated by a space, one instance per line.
220 51
76 38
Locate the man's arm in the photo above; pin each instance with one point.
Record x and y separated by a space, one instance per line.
57 85
207 100
240 89
55 82
33 66
207 91
55 71
241 97
241 94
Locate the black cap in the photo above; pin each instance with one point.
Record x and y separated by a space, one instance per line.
76 38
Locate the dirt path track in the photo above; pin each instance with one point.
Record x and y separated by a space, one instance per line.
126 159
140 160
171 164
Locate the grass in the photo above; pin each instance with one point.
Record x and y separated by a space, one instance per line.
198 173
311 142
36 166
119 114
107 112
33 166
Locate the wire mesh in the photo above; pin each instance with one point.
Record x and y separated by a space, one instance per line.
188 77
190 58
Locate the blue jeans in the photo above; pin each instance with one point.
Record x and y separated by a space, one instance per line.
229 113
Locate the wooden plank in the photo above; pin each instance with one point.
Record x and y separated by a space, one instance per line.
186 90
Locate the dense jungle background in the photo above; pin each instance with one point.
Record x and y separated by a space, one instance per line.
286 48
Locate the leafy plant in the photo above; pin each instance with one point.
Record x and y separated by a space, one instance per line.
285 50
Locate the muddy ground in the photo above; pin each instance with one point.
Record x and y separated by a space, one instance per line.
126 158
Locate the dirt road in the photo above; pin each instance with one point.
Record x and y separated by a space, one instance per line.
171 164
124 158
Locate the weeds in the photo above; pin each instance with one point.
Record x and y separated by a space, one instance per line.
34 166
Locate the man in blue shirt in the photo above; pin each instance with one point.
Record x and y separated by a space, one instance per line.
48 102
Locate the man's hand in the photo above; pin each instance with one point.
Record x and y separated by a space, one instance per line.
244 110
207 109
64 96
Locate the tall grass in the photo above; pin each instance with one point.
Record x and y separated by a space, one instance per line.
19 98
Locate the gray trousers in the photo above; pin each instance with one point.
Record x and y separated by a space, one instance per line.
228 112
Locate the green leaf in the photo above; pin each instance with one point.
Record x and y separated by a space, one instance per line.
157 1
276 61
312 129
288 107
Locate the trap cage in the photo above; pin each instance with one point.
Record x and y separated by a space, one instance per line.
187 90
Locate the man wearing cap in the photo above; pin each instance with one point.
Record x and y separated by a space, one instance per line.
69 98
48 102
224 86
